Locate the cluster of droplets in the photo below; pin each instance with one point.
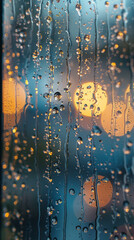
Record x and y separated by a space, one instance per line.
56 99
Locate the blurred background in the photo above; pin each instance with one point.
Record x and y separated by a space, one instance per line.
68 118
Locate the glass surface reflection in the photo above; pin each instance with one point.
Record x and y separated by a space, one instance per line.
68 110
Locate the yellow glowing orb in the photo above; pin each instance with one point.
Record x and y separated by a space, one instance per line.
104 191
128 94
91 100
13 97
117 119
13 101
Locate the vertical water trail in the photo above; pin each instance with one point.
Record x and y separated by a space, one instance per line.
80 79
124 14
110 74
28 58
79 100
126 174
80 82
128 98
12 41
68 127
97 236
36 119
124 18
131 70
30 42
51 73
13 7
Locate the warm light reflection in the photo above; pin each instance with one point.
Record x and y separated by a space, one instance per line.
128 94
82 209
13 97
67 96
92 99
117 119
13 101
125 231
104 190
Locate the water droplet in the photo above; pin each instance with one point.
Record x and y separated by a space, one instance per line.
126 206
62 107
96 131
78 228
79 141
120 35
49 19
78 39
58 170
118 113
126 188
72 191
91 226
107 3
46 95
85 229
78 7
54 220
87 37
55 110
49 211
57 96
123 236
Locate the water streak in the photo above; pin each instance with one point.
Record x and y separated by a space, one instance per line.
68 127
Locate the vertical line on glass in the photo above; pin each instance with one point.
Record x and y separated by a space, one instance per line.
68 127
94 168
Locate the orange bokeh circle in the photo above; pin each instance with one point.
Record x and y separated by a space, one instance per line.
92 99
104 191
117 119
13 98
13 101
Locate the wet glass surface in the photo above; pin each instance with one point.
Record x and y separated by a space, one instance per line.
68 117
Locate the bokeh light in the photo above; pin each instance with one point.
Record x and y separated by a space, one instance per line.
104 191
124 232
13 100
14 97
117 119
83 210
92 99
67 134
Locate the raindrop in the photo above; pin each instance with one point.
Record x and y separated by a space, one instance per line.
57 96
55 110
96 131
91 226
54 220
78 8
120 35
116 237
87 38
78 228
85 229
79 141
126 206
46 95
72 191
62 107
49 211
126 188
123 236
49 19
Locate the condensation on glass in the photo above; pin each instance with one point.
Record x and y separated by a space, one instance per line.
68 118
